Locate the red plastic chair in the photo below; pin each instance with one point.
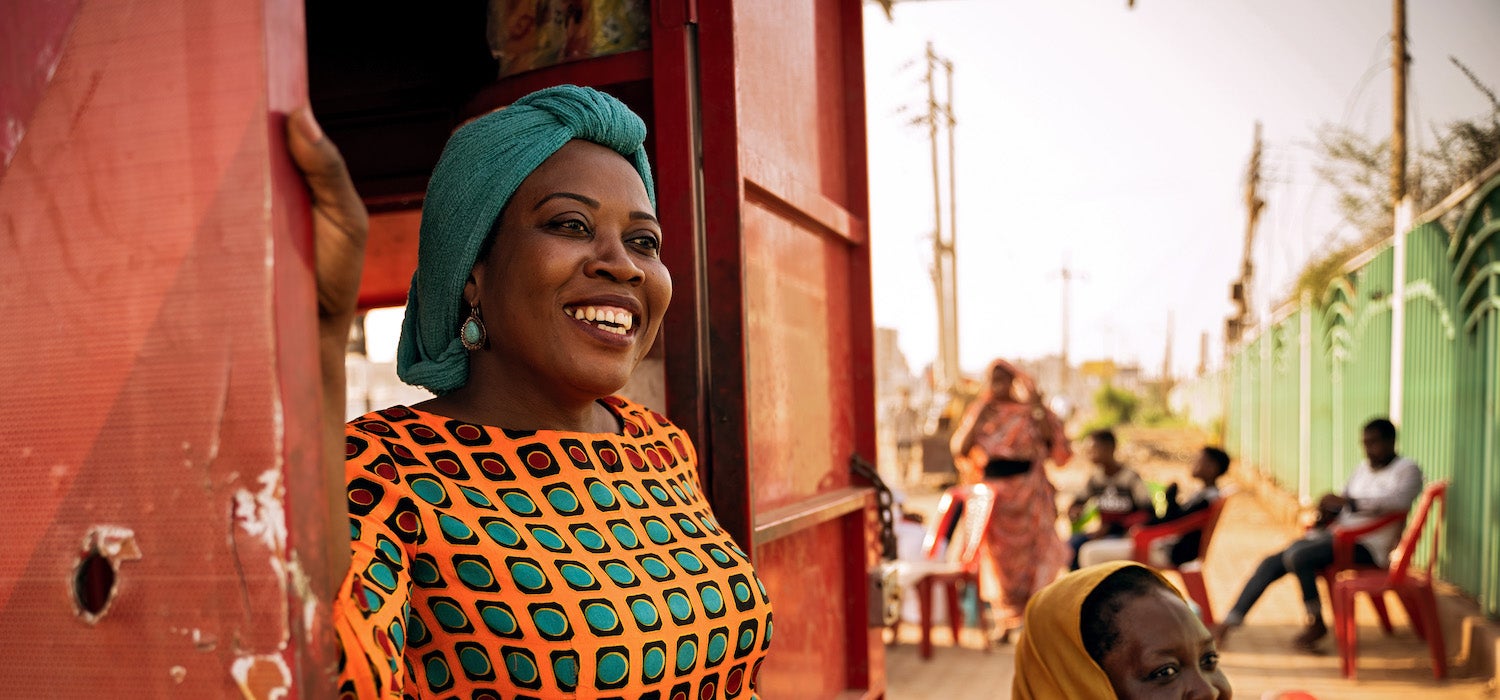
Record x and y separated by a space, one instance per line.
961 568
1191 572
1412 587
1344 539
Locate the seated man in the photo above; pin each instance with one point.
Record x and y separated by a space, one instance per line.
1384 483
1119 494
1212 464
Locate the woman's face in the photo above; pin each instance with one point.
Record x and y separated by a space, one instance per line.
1001 381
573 290
1164 651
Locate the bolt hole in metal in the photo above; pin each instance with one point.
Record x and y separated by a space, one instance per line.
96 575
94 583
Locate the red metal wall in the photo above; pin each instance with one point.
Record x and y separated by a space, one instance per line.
158 356
159 345
789 299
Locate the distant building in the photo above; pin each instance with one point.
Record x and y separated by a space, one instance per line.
1100 373
1050 376
892 371
903 407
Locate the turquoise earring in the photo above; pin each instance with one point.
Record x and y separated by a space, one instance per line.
472 334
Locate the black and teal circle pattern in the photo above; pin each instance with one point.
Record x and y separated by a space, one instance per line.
501 564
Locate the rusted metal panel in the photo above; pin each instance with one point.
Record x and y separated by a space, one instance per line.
32 32
160 362
807 652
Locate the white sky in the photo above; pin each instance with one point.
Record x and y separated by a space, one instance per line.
1117 139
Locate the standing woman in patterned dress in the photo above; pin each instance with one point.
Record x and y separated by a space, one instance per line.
1006 437
527 533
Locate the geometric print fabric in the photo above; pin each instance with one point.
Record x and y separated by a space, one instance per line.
499 564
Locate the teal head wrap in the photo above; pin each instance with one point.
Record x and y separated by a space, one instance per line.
481 167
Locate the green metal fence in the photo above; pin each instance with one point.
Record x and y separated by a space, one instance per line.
1474 250
1294 395
1283 400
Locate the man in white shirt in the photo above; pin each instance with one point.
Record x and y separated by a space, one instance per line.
1384 483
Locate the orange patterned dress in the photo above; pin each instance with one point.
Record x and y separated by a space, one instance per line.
491 563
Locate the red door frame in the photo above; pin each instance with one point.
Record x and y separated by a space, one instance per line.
732 463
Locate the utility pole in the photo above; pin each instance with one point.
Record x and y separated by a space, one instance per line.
946 379
1067 275
1401 209
944 260
1398 102
1165 383
1203 353
952 219
1067 322
1240 291
1166 356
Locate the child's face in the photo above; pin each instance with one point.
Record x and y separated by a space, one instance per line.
1204 469
1101 452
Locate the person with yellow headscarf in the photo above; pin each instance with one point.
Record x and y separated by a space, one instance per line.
1116 630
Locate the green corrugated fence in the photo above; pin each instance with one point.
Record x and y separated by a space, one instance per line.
1293 396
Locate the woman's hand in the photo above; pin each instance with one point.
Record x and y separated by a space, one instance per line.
340 222
340 225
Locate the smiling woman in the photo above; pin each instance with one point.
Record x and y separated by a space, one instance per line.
574 286
528 533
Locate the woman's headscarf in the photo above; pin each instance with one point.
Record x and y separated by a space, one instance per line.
1023 396
1051 661
1019 380
481 167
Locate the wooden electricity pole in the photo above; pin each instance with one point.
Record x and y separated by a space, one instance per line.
1203 354
944 259
1240 292
1401 211
1166 357
1067 274
945 376
1398 106
1067 367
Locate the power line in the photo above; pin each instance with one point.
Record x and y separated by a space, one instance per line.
1379 63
